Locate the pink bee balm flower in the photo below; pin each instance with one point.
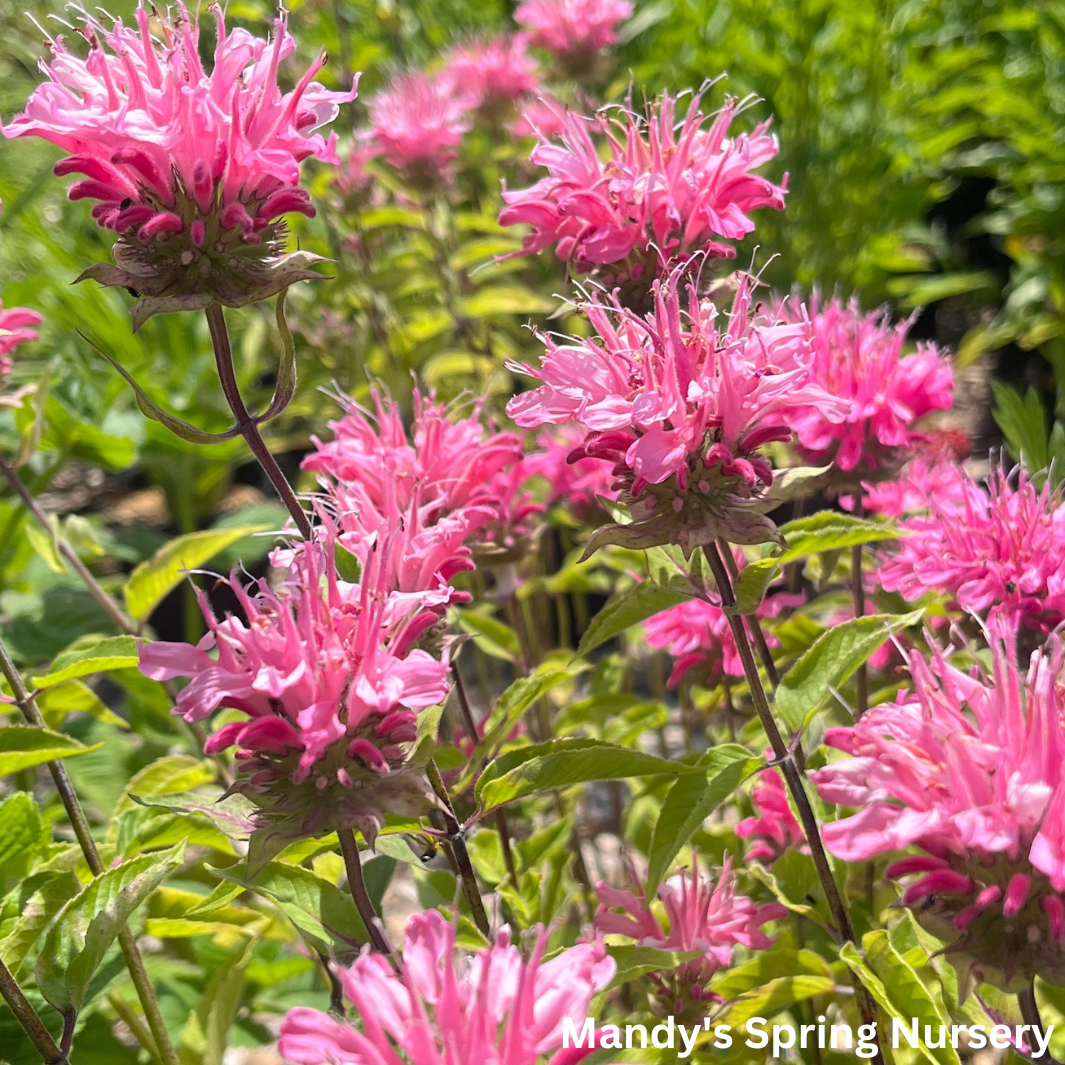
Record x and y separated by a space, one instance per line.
542 117
970 770
858 357
449 463
191 169
998 551
16 327
332 686
918 482
774 829
702 916
444 1006
680 402
572 478
417 124
663 191
492 73
697 634
572 27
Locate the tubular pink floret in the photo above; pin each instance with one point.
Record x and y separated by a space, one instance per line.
1055 911
1016 894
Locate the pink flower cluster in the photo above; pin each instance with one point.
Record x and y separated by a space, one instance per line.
417 124
331 682
970 770
16 327
495 1007
491 73
168 149
998 551
663 192
572 27
702 916
680 406
450 484
858 357
698 635
774 829
572 477
418 121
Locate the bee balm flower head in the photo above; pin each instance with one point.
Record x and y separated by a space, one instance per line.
572 28
859 358
663 192
193 170
998 551
492 73
494 1007
331 686
679 401
16 327
702 916
970 771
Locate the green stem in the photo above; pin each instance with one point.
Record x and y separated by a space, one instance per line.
29 1020
223 353
80 823
457 843
70 556
792 774
357 886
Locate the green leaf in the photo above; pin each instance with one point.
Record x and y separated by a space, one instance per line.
44 543
492 635
828 530
1024 425
115 652
832 660
38 900
22 747
74 697
626 609
21 828
753 581
898 990
633 961
768 965
691 800
562 763
512 704
323 914
504 299
152 580
91 921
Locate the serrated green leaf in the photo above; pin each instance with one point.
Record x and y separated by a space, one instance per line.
90 922
832 660
38 900
323 914
629 608
829 530
21 828
898 990
115 652
22 746
74 697
562 763
753 581
635 961
691 800
154 579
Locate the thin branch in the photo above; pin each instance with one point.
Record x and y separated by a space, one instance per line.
357 886
792 774
246 424
70 556
29 1020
